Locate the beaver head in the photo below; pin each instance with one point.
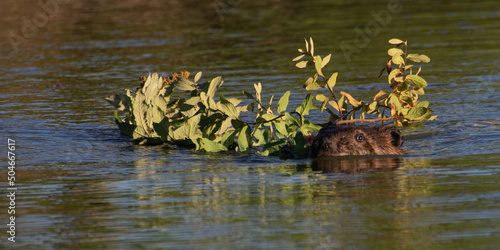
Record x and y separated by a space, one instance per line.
337 140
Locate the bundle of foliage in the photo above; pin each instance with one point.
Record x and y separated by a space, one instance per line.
184 112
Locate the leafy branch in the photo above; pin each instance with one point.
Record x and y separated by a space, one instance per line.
179 111
403 102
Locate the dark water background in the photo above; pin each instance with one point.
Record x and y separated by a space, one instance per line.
83 185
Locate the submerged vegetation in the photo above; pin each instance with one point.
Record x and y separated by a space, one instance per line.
180 111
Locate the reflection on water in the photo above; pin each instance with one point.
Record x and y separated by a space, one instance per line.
82 184
355 164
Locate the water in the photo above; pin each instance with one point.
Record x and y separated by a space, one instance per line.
82 184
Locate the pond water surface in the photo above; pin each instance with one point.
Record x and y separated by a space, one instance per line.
81 184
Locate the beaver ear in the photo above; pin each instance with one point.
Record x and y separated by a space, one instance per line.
396 138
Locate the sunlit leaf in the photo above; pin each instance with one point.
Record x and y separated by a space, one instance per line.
332 80
324 100
393 74
119 101
307 104
184 84
397 59
298 58
301 64
211 146
314 86
214 86
393 99
355 103
325 61
380 94
312 45
197 76
418 58
318 65
395 41
394 51
245 139
283 102
228 108
372 107
416 80
280 127
258 90
191 128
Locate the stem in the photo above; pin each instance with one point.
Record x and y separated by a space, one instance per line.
369 120
404 67
331 90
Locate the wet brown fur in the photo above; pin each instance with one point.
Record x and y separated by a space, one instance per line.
337 140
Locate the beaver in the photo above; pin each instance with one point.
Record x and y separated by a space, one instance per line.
338 140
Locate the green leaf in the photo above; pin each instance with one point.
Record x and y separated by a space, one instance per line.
283 103
237 123
228 138
326 60
380 94
395 100
258 136
125 128
301 64
372 107
332 80
266 117
396 41
214 86
280 127
416 80
211 146
152 86
312 45
248 95
298 58
307 104
318 62
313 86
403 87
245 139
406 97
140 110
184 84
258 90
228 108
119 101
393 74
324 100
397 59
292 122
419 113
418 58
355 103
162 128
191 130
395 51
197 76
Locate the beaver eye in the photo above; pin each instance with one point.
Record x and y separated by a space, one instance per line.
360 138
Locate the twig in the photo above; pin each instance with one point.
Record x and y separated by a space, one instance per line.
369 120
